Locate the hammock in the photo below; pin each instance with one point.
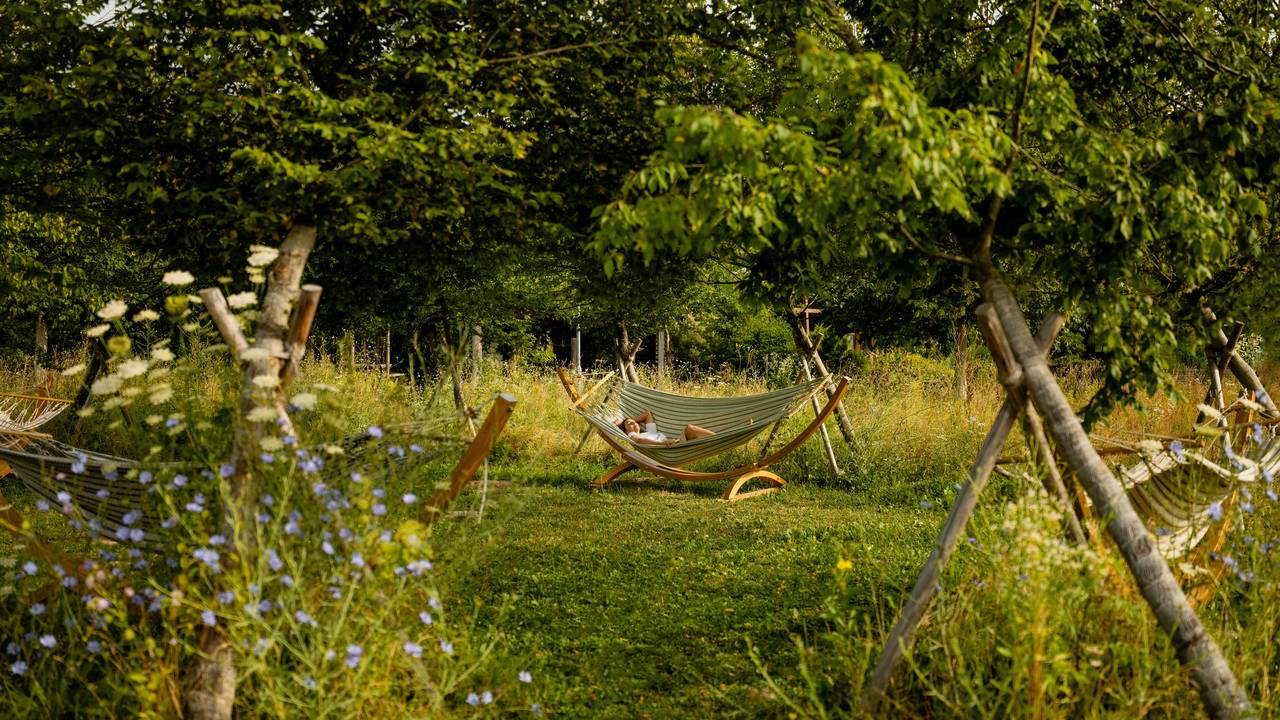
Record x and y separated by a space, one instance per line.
20 415
735 421
1173 492
101 489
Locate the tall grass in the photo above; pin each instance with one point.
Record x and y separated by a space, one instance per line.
1026 625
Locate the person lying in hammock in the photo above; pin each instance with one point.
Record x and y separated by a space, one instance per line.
643 430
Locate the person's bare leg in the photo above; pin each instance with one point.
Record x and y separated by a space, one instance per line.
693 432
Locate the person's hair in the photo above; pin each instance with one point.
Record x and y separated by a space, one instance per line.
622 424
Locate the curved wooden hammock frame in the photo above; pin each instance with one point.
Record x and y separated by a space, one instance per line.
633 460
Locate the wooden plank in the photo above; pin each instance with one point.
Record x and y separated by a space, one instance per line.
475 454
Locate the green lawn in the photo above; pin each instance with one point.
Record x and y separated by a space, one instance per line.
640 600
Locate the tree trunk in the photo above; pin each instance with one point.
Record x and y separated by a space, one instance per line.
1221 694
212 685
627 354
960 361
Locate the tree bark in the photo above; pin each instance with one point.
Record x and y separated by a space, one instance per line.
627 354
212 685
1219 691
477 355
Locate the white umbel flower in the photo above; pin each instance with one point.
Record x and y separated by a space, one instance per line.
261 255
132 368
178 278
113 310
243 300
254 353
266 382
305 401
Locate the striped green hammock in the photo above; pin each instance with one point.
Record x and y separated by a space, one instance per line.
735 420
1175 491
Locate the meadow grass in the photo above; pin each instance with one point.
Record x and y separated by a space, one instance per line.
653 599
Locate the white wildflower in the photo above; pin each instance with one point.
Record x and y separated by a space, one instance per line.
178 277
261 255
324 387
73 370
154 419
254 353
195 299
161 354
266 382
106 385
160 394
97 330
132 368
131 391
243 299
146 316
334 450
271 444
257 278
113 310
262 414
306 401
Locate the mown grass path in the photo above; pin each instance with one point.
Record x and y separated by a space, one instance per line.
639 601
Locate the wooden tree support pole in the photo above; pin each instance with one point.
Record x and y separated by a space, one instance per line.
1241 369
1011 378
224 320
804 343
1220 692
472 457
927 583
817 412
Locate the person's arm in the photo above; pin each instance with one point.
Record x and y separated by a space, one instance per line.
644 417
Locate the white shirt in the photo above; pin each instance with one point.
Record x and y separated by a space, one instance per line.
651 432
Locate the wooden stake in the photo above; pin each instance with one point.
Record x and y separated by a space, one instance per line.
817 410
806 347
927 583
224 320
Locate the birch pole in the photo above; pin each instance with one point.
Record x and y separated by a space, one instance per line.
211 682
1220 693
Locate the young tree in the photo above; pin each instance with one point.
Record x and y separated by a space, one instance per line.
1118 150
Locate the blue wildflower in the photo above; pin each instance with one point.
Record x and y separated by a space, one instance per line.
29 568
525 676
1179 452
375 431
413 649
434 602
217 540
178 481
208 618
64 497
309 682
302 617
327 547
273 560
473 699
209 557
37 609
77 467
268 499
226 470
1215 511
103 493
425 617
267 458
42 505
144 477
18 668
486 697
226 597
48 641
286 580
93 646
409 498
356 477
379 509
446 647
536 709
354 652
170 522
